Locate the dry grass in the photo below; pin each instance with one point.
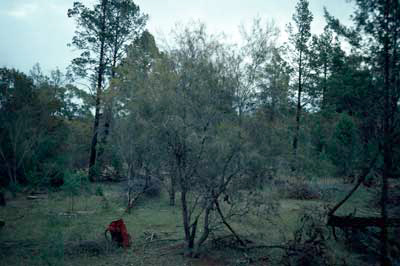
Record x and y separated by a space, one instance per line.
45 232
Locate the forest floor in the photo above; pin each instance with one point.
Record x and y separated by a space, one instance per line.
57 229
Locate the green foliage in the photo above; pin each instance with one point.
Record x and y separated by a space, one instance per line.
99 191
74 184
343 147
31 125
302 18
111 24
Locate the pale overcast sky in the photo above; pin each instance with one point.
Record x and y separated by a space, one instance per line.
34 31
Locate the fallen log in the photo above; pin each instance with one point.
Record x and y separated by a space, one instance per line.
359 223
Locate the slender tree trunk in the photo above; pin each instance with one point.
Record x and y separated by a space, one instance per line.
109 105
185 213
273 101
387 150
323 105
172 190
2 199
185 216
14 170
206 231
100 76
298 115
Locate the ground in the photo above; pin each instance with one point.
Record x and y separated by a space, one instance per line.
60 229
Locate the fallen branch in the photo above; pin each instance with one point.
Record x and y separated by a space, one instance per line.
227 224
359 222
131 202
249 247
361 179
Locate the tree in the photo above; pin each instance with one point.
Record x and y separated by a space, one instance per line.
16 138
102 34
322 49
376 33
300 42
133 138
126 24
91 39
199 130
252 66
274 89
31 123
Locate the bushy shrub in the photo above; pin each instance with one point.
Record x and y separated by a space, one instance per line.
301 190
150 186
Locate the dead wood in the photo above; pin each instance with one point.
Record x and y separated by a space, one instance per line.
228 225
250 247
132 201
360 180
360 222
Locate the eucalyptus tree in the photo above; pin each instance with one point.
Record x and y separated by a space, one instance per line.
102 34
299 43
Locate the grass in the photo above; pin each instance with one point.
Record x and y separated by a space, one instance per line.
46 232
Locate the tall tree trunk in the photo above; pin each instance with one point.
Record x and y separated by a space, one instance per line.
100 77
172 189
387 150
323 104
206 230
298 114
109 104
185 212
2 199
14 169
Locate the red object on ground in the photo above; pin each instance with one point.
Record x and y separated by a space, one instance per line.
119 233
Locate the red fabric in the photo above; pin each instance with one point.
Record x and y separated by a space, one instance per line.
119 233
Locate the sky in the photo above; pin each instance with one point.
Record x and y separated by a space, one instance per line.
38 31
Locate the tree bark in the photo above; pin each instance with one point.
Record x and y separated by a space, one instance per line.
323 104
100 77
298 114
172 190
109 105
387 151
2 199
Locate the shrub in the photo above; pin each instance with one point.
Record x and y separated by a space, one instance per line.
301 190
150 187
